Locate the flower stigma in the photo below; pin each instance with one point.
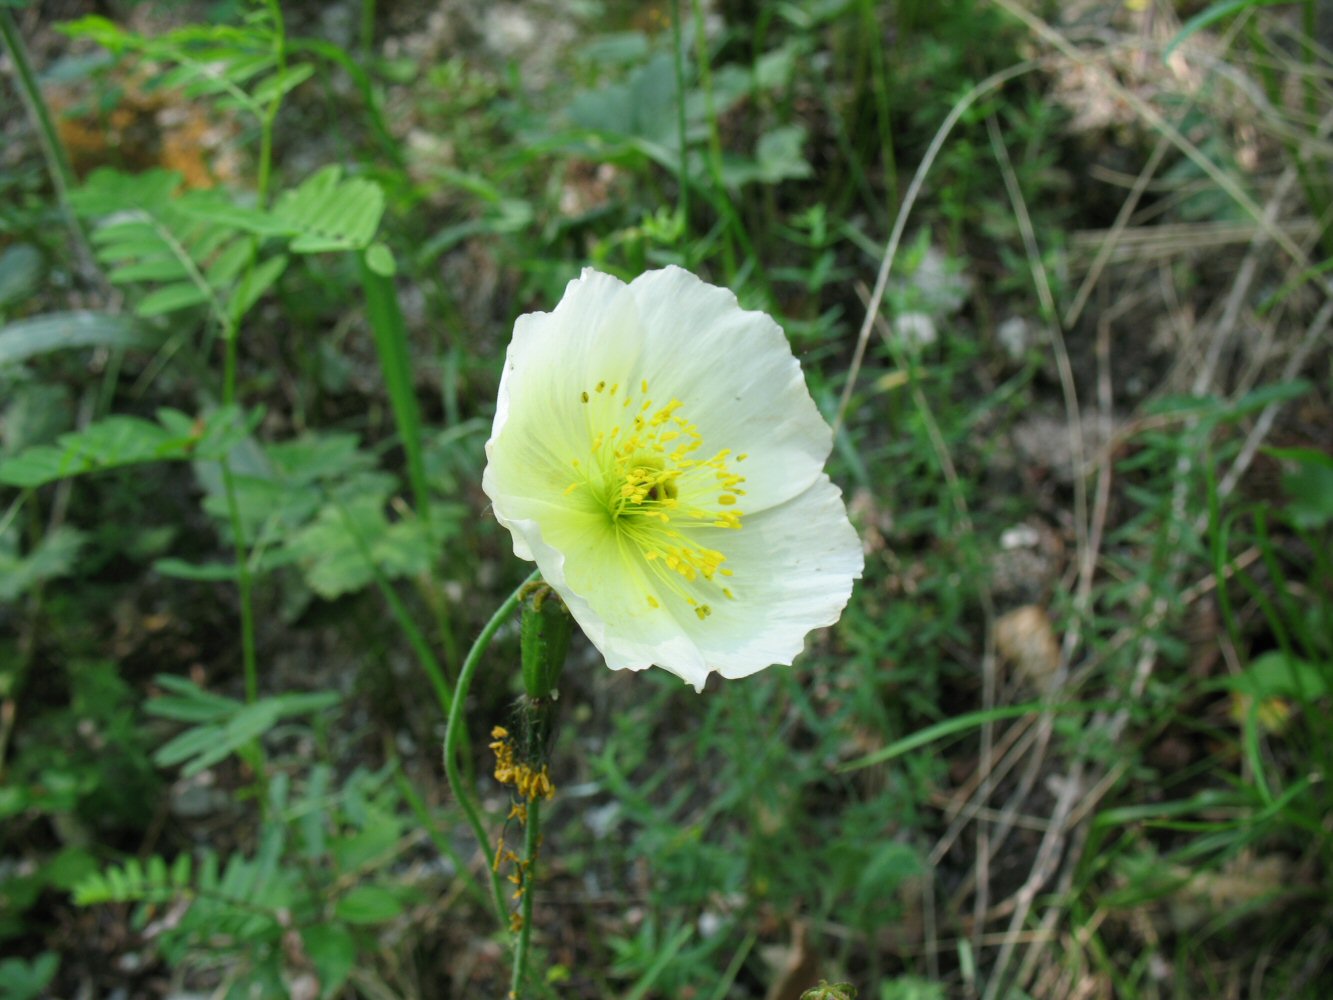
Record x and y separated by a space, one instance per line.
644 470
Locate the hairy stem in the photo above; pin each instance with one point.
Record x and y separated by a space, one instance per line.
454 732
531 843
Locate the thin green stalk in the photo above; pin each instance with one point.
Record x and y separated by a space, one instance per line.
880 88
422 813
414 637
231 347
367 39
454 732
53 151
531 844
678 42
240 544
714 138
390 332
270 116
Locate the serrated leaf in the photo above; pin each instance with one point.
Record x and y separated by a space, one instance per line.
223 725
55 555
122 440
198 245
334 548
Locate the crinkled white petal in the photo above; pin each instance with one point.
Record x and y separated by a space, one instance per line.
743 386
670 337
794 565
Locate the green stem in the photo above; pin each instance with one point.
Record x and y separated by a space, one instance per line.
714 139
414 637
441 842
270 116
240 544
390 333
367 39
677 38
531 844
53 151
454 732
231 342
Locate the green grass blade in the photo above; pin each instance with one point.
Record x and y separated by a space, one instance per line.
963 723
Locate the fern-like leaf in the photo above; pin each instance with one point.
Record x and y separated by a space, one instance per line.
328 212
237 66
135 881
194 247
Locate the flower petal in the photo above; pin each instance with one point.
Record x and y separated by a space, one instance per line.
793 568
739 382
625 420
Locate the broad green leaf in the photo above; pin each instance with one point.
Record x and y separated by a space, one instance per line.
368 904
335 547
1276 675
152 269
332 949
171 298
379 258
39 335
20 271
1309 486
21 979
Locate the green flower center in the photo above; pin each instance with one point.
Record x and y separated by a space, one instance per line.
660 499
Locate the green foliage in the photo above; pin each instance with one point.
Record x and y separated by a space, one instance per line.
22 340
198 248
20 270
23 980
119 441
55 555
222 726
314 873
769 151
236 66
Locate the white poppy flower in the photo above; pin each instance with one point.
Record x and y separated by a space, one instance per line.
657 454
